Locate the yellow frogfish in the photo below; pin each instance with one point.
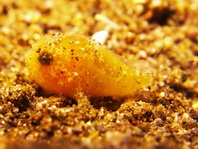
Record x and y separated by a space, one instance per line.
69 63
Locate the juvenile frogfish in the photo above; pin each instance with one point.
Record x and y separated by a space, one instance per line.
69 63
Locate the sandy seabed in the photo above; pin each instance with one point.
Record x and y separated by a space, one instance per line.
162 33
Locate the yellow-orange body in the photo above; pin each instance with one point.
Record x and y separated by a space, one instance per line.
72 63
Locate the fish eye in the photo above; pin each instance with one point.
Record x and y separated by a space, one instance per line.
45 58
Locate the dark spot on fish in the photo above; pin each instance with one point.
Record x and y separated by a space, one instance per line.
38 51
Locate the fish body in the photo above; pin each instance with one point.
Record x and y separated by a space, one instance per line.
69 63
